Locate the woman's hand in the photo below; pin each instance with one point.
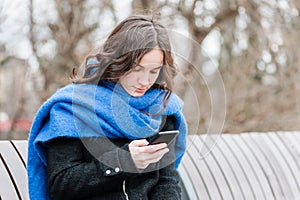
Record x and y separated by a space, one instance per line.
144 154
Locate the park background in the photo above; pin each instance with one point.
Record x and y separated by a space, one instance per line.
239 73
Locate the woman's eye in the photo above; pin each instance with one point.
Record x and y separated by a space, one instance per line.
154 72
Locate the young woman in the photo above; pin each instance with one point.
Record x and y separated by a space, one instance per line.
89 140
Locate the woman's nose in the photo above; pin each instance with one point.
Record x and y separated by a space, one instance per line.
144 79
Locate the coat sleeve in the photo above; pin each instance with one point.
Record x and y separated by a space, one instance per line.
70 175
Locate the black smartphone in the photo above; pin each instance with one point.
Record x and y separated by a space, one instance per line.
163 137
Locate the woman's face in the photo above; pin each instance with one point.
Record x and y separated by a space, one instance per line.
144 74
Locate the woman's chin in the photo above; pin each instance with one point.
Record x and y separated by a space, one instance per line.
137 94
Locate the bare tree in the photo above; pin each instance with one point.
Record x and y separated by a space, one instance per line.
257 59
257 62
71 33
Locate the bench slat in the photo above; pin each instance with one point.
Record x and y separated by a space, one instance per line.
187 181
292 141
9 192
285 163
196 168
16 166
280 170
267 167
242 183
251 185
221 153
215 166
256 166
21 146
290 152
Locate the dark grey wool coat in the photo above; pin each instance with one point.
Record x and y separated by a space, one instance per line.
99 168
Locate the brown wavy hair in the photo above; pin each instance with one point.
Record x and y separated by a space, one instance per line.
129 41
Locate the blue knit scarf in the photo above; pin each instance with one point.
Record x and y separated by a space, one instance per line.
87 110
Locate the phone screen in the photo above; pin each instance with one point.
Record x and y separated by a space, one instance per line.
163 137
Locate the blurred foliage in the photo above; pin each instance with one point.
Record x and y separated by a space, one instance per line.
251 46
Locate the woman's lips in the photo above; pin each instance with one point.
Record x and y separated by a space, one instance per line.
141 90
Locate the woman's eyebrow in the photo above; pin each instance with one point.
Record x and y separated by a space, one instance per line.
158 67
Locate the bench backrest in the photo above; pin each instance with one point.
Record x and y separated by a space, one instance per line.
13 177
243 166
228 166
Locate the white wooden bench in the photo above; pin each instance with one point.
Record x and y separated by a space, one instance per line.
231 166
243 166
13 177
